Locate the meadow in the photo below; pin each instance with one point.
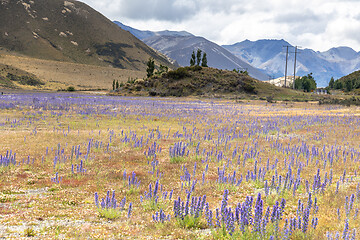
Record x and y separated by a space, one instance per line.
97 167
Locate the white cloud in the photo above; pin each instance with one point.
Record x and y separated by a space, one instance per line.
316 24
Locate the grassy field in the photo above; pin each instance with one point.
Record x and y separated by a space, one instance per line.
60 75
97 167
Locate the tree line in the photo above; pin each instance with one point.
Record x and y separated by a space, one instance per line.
347 83
197 59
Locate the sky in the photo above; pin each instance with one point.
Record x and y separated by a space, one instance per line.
315 24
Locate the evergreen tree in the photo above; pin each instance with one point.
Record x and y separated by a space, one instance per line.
198 57
338 84
150 67
117 84
204 60
332 83
348 85
306 83
114 84
192 60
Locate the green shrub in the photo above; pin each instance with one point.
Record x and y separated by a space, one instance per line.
70 89
177 159
192 222
179 73
29 232
109 213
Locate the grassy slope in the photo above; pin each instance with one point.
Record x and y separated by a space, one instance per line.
70 31
60 75
210 82
354 78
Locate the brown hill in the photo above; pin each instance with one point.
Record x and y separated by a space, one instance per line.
208 82
70 31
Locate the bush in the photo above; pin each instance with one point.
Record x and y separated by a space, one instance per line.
270 99
179 73
70 89
248 87
347 102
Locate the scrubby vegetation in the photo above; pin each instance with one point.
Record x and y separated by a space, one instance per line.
11 77
25 80
197 80
347 102
347 83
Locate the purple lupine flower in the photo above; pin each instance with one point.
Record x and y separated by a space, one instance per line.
129 210
171 193
218 222
306 219
258 212
353 235
314 222
346 230
356 213
96 199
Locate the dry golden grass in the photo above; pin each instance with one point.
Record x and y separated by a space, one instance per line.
60 75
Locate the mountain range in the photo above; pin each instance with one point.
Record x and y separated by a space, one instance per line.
70 31
270 56
264 58
180 45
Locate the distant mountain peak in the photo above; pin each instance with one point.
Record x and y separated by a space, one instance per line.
269 54
180 45
143 34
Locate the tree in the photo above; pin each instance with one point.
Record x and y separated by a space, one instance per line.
338 84
204 60
332 83
114 84
348 85
117 84
150 67
192 60
306 83
198 57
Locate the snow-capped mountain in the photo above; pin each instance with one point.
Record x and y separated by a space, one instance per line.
180 45
269 55
262 58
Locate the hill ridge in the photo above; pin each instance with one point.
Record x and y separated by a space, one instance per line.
70 31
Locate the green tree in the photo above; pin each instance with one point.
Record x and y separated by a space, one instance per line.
338 84
198 57
348 85
332 83
192 60
150 67
117 84
204 60
113 85
306 83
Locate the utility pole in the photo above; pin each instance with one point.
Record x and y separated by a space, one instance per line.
296 51
287 53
